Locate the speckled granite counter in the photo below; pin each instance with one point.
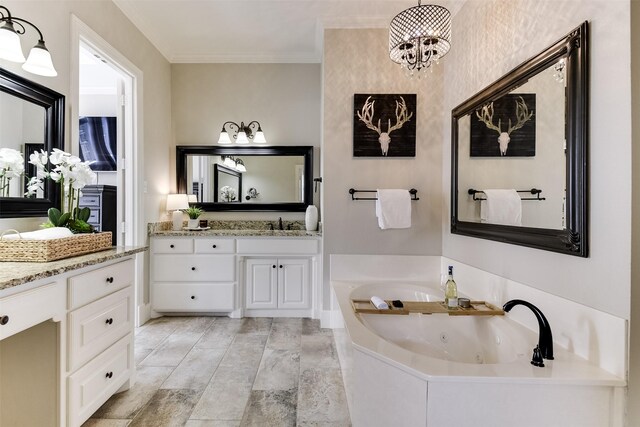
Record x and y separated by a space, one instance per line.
18 273
240 233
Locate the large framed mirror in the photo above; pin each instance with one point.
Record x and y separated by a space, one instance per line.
277 178
519 153
31 117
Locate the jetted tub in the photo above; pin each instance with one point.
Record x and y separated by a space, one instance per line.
440 370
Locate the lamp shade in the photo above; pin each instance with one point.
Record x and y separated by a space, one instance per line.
259 138
10 48
242 138
39 61
224 138
177 202
193 198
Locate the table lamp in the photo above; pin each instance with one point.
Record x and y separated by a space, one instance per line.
175 202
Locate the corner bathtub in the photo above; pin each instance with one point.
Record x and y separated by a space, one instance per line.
439 370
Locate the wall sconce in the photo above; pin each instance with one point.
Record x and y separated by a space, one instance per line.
176 202
241 133
39 60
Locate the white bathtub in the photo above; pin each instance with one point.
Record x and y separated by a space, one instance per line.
419 370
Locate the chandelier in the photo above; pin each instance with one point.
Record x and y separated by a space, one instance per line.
39 60
419 37
241 133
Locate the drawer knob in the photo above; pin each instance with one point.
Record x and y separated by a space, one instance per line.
215 246
280 265
273 266
193 269
109 321
193 297
171 246
109 279
4 320
109 374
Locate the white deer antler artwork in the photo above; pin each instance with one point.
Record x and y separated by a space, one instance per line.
402 116
523 115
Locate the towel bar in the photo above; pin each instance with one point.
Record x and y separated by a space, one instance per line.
413 193
533 191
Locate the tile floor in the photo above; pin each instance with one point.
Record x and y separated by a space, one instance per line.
216 371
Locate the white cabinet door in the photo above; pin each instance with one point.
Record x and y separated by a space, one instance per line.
262 280
293 283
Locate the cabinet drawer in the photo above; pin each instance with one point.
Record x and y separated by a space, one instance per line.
28 308
194 268
277 246
98 325
89 201
95 284
172 245
94 217
206 297
215 246
94 383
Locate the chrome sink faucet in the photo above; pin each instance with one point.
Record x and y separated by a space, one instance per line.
545 339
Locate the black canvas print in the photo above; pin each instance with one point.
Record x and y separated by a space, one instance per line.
384 125
505 127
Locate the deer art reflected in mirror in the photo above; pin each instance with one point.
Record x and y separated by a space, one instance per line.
519 172
376 117
31 118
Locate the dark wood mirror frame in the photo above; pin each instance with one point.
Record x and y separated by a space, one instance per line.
307 151
573 240
53 104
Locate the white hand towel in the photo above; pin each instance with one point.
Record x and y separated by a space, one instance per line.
501 207
393 209
44 234
379 303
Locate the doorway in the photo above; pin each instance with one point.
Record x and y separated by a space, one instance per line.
107 88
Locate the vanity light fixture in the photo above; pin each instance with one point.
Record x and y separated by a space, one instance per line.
39 60
241 133
419 37
233 163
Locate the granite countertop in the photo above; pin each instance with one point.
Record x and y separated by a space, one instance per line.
18 273
241 233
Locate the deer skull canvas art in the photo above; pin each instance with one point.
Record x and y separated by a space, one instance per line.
372 114
518 113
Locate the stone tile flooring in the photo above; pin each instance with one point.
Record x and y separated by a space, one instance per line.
216 371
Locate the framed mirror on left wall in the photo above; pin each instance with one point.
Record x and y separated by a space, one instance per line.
31 117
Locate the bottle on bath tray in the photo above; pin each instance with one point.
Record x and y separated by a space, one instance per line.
451 291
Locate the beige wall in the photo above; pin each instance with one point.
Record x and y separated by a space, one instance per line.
491 38
284 98
357 61
54 20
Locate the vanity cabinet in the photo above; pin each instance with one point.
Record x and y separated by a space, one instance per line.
193 274
100 337
67 341
273 283
238 275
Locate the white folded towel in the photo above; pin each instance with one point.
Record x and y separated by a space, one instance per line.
44 234
379 303
501 207
393 209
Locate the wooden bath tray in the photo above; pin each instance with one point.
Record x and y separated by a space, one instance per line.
478 308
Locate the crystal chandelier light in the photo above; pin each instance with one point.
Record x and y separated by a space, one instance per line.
419 37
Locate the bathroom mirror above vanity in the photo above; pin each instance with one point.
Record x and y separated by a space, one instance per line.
527 132
277 178
31 118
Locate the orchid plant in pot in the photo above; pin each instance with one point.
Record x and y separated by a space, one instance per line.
11 166
72 175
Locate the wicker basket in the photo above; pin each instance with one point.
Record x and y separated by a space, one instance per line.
24 250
